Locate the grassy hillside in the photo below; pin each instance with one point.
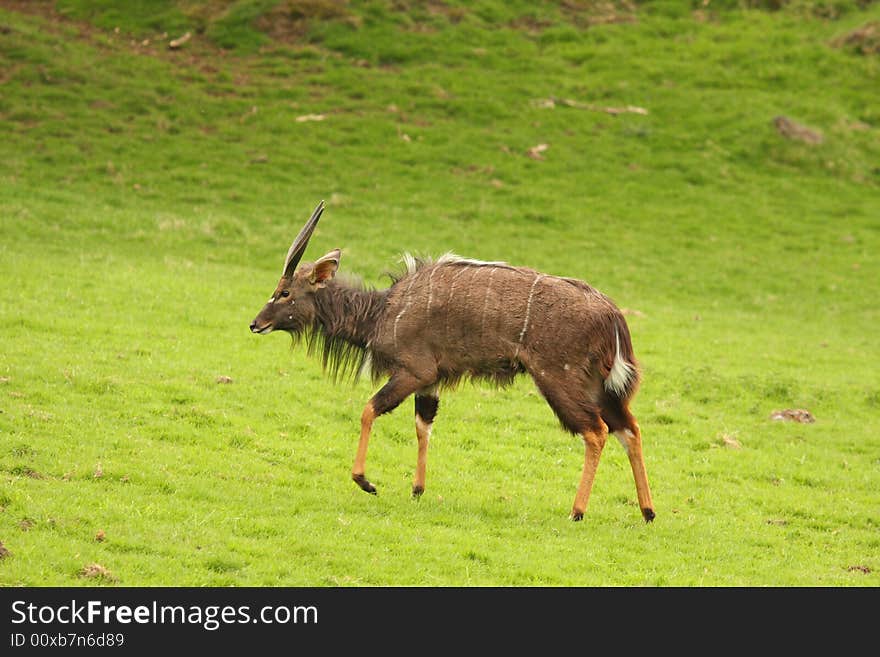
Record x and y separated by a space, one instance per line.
148 196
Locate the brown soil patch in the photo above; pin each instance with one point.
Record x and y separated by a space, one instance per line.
796 131
289 21
96 571
864 40
589 13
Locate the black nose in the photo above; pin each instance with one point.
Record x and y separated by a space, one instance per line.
253 325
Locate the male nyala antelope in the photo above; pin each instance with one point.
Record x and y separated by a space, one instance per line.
444 320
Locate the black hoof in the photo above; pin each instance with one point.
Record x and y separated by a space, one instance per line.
576 517
648 514
417 491
365 485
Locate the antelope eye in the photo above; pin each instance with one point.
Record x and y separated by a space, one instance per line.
285 293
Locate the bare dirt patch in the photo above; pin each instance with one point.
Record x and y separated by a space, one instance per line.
589 13
289 21
864 40
796 131
96 571
801 415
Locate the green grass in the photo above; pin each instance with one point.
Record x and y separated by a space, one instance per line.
148 197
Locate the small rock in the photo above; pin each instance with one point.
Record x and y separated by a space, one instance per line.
179 41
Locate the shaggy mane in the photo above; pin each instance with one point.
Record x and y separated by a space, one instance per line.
352 304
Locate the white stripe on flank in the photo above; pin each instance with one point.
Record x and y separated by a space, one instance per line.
451 292
486 301
621 372
522 334
405 308
431 288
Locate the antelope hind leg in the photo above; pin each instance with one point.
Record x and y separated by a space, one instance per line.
594 441
631 439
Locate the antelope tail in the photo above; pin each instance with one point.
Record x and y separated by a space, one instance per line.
624 375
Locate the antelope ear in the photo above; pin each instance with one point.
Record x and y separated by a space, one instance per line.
325 268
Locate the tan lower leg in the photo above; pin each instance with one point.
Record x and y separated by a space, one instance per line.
423 433
357 471
594 441
632 443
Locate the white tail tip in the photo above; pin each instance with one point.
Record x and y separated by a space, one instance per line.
621 372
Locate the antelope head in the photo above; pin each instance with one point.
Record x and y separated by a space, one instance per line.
292 305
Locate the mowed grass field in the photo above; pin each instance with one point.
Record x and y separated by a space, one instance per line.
148 196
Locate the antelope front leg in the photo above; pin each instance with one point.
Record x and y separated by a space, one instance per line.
360 459
399 387
426 410
594 441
